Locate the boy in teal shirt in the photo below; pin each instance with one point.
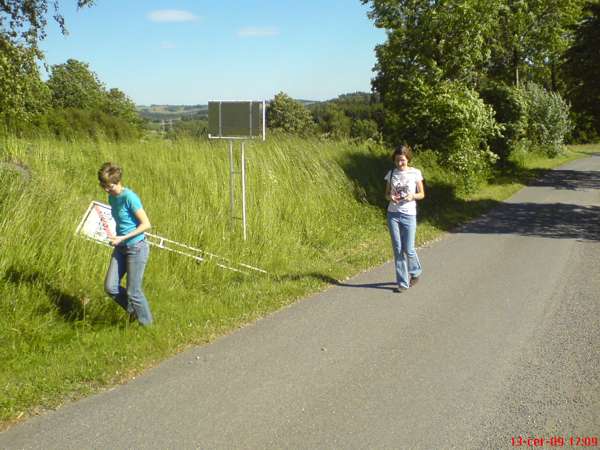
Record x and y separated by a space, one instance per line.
131 250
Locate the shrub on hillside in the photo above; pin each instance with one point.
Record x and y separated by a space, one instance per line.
332 121
358 115
548 119
288 115
365 129
452 120
22 93
183 129
71 124
510 109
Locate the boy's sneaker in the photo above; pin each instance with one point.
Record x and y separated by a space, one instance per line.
414 281
400 289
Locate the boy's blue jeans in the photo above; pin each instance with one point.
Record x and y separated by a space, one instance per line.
131 261
403 228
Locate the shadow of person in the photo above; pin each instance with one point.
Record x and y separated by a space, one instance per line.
70 307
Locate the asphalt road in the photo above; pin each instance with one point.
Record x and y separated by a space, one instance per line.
499 341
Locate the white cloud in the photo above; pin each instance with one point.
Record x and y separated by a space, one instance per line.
171 15
257 32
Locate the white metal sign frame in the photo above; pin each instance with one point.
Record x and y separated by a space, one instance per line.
99 226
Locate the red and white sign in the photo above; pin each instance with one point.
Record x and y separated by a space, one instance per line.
97 223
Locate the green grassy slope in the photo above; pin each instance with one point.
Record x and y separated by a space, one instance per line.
316 215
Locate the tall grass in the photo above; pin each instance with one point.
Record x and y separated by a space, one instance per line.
60 334
315 215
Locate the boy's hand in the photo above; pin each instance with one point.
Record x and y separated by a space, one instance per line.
114 241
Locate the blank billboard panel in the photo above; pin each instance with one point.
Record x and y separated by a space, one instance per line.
236 120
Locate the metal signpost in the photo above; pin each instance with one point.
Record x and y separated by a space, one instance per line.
237 121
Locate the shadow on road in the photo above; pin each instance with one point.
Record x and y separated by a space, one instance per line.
390 286
569 179
553 220
332 281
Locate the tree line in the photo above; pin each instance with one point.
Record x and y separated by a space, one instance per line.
477 82
474 81
72 102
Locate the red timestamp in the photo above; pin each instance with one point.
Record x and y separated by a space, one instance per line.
555 441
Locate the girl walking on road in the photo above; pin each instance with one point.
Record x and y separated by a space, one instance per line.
404 185
131 250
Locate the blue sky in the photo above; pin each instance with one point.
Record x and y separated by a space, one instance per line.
193 51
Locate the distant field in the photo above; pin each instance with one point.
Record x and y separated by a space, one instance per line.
166 112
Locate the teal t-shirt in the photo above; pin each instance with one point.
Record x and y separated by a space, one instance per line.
123 208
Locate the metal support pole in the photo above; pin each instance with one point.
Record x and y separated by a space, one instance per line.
244 189
231 185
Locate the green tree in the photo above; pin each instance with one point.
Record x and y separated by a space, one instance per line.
288 115
510 106
453 121
117 104
530 38
435 55
433 40
24 22
365 129
74 85
23 94
332 120
358 115
581 70
22 26
547 119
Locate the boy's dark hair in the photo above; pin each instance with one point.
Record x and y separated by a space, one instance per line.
403 149
109 173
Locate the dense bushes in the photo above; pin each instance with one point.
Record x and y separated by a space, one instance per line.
22 92
188 128
547 119
469 130
358 115
532 118
581 71
289 115
461 126
72 104
72 124
510 109
451 120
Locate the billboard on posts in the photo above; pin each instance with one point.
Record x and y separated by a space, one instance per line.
236 120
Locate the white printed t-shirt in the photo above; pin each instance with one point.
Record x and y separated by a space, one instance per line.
403 182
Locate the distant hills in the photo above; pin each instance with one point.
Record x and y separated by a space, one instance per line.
175 112
167 112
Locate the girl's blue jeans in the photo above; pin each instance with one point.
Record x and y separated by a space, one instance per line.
131 261
403 228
